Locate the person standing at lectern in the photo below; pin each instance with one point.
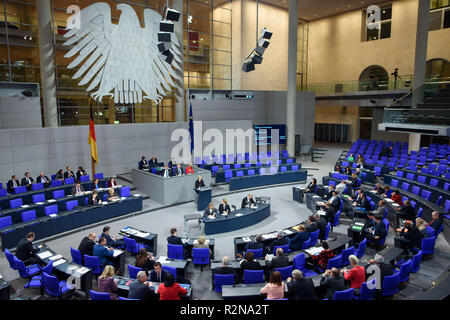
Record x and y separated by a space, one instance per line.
199 183
248 201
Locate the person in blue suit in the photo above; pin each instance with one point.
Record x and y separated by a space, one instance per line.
302 235
103 253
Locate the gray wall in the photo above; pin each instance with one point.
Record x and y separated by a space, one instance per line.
20 112
383 135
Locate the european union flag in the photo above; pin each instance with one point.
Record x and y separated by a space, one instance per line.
191 128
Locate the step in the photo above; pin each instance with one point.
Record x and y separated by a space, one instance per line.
426 105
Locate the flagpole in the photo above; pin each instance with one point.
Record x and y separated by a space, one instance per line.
92 159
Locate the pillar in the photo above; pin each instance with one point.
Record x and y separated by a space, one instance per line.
292 77
420 60
414 142
47 64
179 103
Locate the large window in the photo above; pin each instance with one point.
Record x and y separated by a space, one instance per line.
381 29
439 14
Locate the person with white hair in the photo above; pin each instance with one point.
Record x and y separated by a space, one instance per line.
386 269
278 242
226 268
279 261
357 274
299 287
141 289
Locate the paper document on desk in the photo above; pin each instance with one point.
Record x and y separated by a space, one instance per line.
184 240
82 270
137 195
389 200
162 259
238 214
314 251
396 205
321 212
246 239
39 203
373 191
288 232
44 255
57 263
51 200
25 206
320 203
53 215
142 234
359 224
269 236
211 217
269 257
56 257
117 252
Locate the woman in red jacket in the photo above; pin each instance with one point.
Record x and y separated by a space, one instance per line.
112 183
396 196
189 169
357 275
170 290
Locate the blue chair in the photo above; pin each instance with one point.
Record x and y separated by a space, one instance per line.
251 172
226 167
38 197
405 270
15 203
247 165
175 251
344 295
3 192
367 291
390 284
28 215
69 180
58 194
428 245
71 204
337 216
125 191
284 247
394 183
361 249
11 260
122 298
133 271
285 272
52 209
253 276
56 183
93 262
421 179
294 167
37 186
38 281
214 169
56 288
405 186
426 195
84 178
299 263
222 279
99 295
98 175
200 256
76 256
237 166
415 190
26 272
410 176
306 244
345 254
327 231
273 170
171 270
257 253
228 175
240 173
5 222
417 259
283 169
335 262
20 189
132 246
314 236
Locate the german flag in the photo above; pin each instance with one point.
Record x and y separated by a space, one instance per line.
92 140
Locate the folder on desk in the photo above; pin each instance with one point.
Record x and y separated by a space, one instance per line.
246 239
58 262
56 257
313 251
162 259
288 232
296 228
117 252
82 270
44 255
51 200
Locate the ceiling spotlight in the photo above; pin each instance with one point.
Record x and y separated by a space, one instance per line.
248 66
172 14
266 34
260 50
257 59
263 43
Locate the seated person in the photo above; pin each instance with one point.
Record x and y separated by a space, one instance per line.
362 203
78 189
59 175
311 224
356 275
95 185
381 208
396 196
153 160
422 226
311 186
370 224
379 189
249 263
302 235
224 207
387 151
158 274
199 183
69 173
387 192
328 194
201 243
275 288
166 172
43 179
81 172
172 163
278 242
179 170
300 288
411 236
87 245
253 245
329 213
170 290
321 260
141 289
406 212
145 261
360 164
210 212
378 233
321 224
358 173
94 199
340 188
386 269
112 183
112 196
350 158
436 223
189 169
102 252
278 261
26 251
107 283
248 202
175 240
348 171
338 168
332 281
27 181
111 241
225 268
13 183
353 181
143 164
335 202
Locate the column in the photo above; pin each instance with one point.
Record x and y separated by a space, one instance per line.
292 77
414 142
47 64
420 60
179 103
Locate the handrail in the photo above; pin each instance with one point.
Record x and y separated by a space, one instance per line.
411 91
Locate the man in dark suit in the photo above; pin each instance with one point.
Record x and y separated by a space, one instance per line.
27 181
111 241
175 240
300 288
406 212
311 224
321 224
225 268
436 223
278 261
172 163
248 201
379 232
143 164
328 193
25 250
166 172
255 244
332 281
14 182
278 242
179 170
78 189
386 269
103 253
153 160
158 274
43 179
335 202
87 245
329 213
302 235
141 289
69 173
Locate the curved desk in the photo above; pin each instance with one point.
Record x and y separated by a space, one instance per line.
233 222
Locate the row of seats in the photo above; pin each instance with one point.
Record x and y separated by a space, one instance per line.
257 171
254 156
422 179
247 165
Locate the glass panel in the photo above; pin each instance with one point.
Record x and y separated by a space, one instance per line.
222 43
435 20
372 34
221 29
200 25
221 57
199 83
201 10
223 72
447 19
385 30
386 13
222 15
199 68
220 84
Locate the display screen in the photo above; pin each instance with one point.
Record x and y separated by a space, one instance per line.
260 141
